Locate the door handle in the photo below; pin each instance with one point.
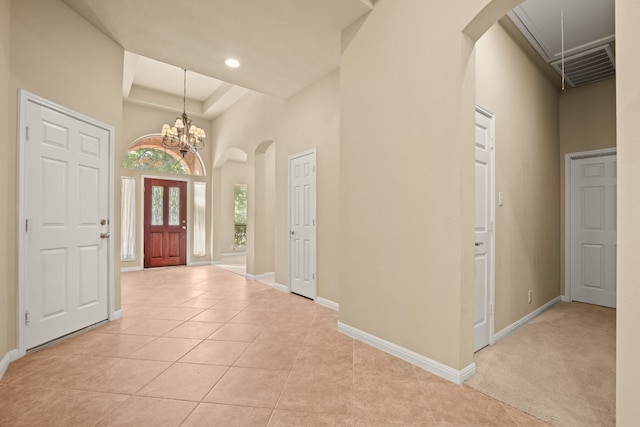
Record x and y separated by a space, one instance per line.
105 235
479 243
184 227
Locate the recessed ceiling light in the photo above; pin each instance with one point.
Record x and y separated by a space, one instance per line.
232 63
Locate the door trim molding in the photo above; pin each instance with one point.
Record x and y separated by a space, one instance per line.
479 108
142 212
315 180
24 97
568 157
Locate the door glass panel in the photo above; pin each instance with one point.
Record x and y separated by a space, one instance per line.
174 205
157 205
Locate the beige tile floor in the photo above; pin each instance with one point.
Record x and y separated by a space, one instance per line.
202 346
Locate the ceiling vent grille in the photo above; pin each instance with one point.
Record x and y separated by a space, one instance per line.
587 67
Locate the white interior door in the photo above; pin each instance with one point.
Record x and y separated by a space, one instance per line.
593 230
302 224
483 228
66 225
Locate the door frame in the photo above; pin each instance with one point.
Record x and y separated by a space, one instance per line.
142 213
315 210
568 157
479 108
24 97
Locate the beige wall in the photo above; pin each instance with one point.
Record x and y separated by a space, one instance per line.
311 119
7 192
628 268
262 232
587 122
406 178
527 233
306 120
56 55
140 120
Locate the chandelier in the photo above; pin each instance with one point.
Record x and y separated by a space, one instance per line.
183 135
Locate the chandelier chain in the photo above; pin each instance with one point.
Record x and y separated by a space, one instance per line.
183 136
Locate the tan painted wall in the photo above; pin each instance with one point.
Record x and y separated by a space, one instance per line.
7 192
247 124
587 122
628 129
137 121
311 119
527 226
261 238
306 120
406 178
57 55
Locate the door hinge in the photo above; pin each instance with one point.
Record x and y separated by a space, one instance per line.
490 225
491 309
27 133
26 317
26 225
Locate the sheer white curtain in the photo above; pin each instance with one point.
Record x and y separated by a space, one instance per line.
128 219
199 222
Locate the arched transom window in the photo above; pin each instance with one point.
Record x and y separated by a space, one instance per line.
148 153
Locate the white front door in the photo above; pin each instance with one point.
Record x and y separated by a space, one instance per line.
483 228
302 224
65 181
593 230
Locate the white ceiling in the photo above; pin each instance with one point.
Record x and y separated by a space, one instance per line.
283 46
587 24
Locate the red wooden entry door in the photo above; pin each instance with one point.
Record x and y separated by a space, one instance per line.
165 222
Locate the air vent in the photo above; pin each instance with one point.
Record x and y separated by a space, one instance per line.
587 67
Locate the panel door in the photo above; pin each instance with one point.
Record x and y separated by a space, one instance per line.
66 188
483 218
302 221
165 223
593 230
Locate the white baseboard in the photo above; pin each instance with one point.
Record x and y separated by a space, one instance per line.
430 365
328 303
281 288
117 314
126 269
565 298
526 319
197 263
8 358
227 254
258 277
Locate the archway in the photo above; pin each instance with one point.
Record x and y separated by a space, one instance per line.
261 225
230 172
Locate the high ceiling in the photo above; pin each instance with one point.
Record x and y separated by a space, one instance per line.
283 45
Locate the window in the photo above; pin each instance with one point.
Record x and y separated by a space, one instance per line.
128 219
199 215
240 195
148 153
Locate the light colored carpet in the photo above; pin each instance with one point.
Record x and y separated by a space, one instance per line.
560 367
